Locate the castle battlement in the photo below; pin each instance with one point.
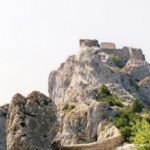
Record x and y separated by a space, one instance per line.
124 53
88 43
107 45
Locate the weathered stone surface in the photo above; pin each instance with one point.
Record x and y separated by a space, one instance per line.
107 45
31 122
79 125
144 90
59 80
3 115
106 131
90 69
137 69
85 44
100 145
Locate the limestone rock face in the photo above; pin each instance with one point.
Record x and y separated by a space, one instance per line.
90 69
106 131
59 80
31 122
138 69
144 90
79 125
3 115
74 85
139 72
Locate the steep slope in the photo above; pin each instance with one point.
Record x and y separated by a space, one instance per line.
74 86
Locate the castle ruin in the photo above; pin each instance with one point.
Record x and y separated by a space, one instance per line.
124 53
106 45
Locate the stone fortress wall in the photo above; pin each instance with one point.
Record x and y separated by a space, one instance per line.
106 45
124 53
100 145
88 43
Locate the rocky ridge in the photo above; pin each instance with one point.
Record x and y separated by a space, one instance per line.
90 68
31 122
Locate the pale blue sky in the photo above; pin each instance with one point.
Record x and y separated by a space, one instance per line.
37 35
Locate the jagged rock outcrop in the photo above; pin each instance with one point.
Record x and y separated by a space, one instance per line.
3 114
61 78
92 66
31 122
90 70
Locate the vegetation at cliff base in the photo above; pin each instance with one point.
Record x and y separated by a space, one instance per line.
104 95
132 126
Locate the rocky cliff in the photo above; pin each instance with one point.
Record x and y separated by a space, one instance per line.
31 123
75 83
78 112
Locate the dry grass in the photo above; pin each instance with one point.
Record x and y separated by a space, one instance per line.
142 82
113 69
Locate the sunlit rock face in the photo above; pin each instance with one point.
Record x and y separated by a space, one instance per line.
31 122
76 81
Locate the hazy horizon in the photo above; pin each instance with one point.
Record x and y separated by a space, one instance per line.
36 36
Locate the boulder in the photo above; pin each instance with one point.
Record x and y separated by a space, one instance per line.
31 122
107 131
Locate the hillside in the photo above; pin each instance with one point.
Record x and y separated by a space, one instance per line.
98 100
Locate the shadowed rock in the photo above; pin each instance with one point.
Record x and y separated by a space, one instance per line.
3 114
31 122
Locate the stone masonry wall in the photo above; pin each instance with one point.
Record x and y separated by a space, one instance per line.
106 45
103 145
124 53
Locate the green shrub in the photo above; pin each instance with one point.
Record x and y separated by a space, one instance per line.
115 59
126 132
137 106
66 107
71 107
112 100
103 91
125 120
141 135
147 119
103 95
